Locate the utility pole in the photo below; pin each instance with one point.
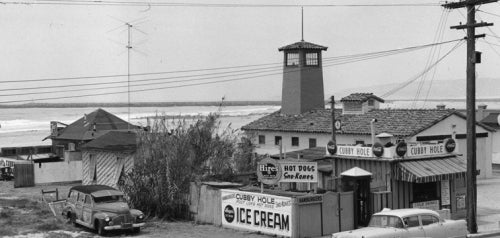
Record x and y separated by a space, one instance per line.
472 59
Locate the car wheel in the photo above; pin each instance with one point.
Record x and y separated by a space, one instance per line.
71 218
99 226
136 230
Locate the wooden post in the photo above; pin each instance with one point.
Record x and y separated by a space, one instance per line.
471 198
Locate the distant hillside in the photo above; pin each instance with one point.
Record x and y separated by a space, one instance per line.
141 104
486 88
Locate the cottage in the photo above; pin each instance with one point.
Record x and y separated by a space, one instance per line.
68 139
106 159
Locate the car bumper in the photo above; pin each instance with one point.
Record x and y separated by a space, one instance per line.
122 227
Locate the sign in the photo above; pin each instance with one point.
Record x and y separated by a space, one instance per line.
432 205
268 171
299 172
422 150
450 145
355 151
401 148
378 149
445 192
310 199
460 201
338 125
257 212
331 147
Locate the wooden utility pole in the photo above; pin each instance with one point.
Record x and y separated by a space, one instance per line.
471 197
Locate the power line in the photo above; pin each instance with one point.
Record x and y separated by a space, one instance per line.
218 5
335 61
360 55
411 80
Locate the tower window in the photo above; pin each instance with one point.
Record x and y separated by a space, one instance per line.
292 59
371 102
312 59
312 142
295 141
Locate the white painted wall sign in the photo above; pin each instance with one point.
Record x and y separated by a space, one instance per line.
299 172
422 150
432 205
257 212
355 151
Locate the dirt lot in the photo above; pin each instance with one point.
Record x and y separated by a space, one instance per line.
22 214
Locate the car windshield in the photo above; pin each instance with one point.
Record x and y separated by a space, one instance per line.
110 198
385 221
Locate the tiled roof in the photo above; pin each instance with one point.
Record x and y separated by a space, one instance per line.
124 141
492 120
398 122
83 128
302 45
360 97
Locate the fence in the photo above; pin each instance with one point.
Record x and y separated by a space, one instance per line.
24 175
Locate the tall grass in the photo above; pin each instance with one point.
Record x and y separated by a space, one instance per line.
172 154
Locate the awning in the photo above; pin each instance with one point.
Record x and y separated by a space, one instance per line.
424 171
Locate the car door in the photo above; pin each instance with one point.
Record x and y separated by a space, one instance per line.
413 227
87 210
432 226
79 206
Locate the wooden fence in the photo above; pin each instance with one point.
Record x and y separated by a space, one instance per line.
24 175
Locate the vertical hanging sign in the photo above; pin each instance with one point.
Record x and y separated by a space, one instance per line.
445 192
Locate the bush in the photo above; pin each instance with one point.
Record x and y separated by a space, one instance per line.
171 155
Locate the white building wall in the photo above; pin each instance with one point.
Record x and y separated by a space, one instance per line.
56 172
457 125
495 148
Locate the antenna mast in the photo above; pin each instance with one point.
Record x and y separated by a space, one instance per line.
129 47
302 8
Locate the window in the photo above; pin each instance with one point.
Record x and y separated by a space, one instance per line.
312 59
371 102
72 196
411 221
292 59
295 141
277 140
81 197
262 139
359 142
428 219
425 192
88 200
312 142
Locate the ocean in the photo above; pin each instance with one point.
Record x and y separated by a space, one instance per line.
29 126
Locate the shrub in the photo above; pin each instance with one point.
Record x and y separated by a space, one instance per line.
172 154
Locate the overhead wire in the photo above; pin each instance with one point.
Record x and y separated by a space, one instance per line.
329 62
411 80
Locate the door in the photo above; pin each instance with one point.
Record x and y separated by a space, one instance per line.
362 201
432 226
79 206
412 225
87 210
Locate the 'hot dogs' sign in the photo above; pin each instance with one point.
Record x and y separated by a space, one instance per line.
299 172
257 212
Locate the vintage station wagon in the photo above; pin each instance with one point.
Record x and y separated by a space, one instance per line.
407 223
101 208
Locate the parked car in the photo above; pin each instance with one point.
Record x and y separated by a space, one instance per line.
408 223
6 173
102 208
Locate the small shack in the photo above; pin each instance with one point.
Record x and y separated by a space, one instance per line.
106 159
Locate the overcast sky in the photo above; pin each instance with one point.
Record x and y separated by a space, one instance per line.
58 41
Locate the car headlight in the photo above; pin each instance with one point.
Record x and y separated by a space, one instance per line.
107 219
140 217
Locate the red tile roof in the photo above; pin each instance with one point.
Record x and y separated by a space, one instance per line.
302 45
398 122
83 128
360 97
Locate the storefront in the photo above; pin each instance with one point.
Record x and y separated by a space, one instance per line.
404 176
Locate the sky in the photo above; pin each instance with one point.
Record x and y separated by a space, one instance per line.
63 41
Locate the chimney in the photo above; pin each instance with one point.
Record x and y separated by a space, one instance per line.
481 112
441 106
